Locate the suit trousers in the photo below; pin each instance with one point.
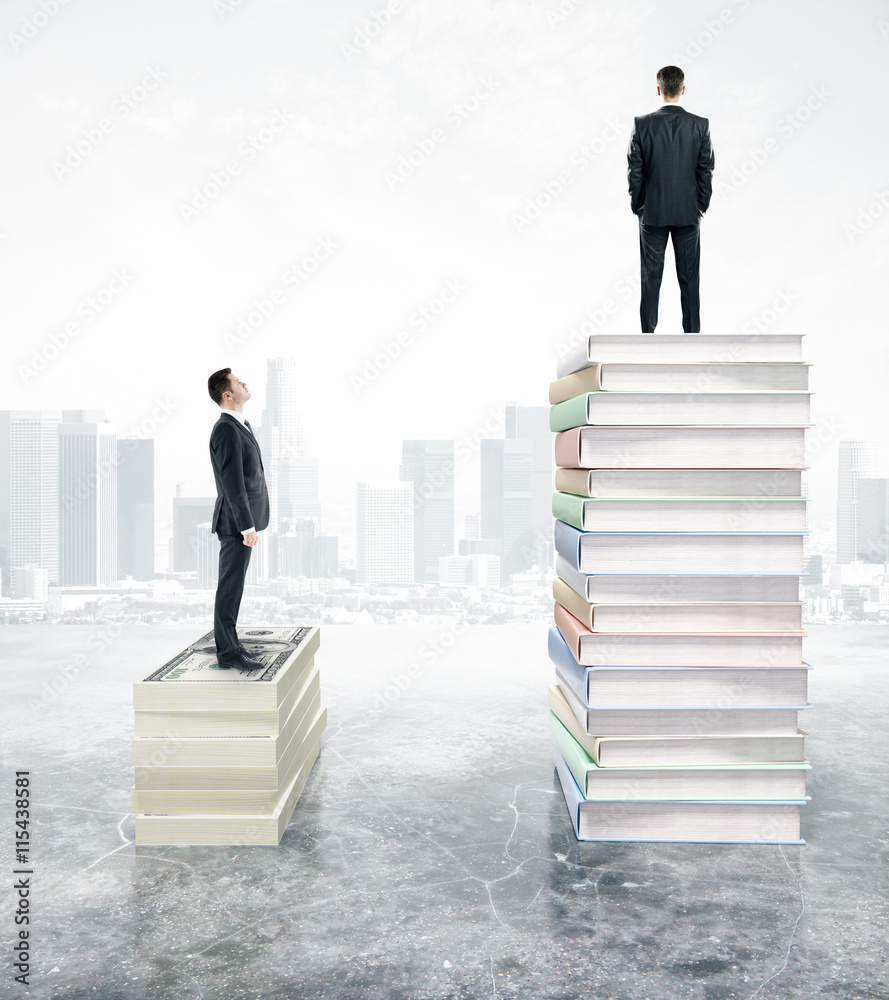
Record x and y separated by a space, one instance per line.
687 251
234 558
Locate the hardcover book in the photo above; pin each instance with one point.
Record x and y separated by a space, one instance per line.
670 348
651 751
678 781
705 447
715 553
667 408
690 821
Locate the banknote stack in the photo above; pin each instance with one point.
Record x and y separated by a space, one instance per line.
680 522
222 755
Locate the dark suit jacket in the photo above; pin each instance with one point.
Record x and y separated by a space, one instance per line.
669 166
242 498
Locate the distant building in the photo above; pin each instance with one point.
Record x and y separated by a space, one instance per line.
814 572
188 513
135 508
207 557
872 520
87 499
291 475
482 571
857 460
429 467
531 423
384 521
506 501
30 583
29 491
472 526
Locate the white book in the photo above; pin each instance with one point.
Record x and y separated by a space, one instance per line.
688 378
699 348
716 554
666 588
714 721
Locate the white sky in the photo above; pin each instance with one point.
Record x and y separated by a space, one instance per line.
551 78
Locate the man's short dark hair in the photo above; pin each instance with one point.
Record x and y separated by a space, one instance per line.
671 80
218 383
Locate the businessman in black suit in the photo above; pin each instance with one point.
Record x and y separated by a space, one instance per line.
241 511
669 168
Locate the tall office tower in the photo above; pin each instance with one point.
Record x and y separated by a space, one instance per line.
506 502
135 508
384 521
429 467
87 499
188 513
872 520
858 460
29 492
531 423
298 489
291 475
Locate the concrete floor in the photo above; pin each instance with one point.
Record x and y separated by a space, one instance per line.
431 855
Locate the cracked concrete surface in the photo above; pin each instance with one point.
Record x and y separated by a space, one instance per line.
431 856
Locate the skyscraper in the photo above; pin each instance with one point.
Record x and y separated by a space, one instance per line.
531 423
872 520
135 508
29 492
506 501
87 499
429 467
291 475
384 521
857 460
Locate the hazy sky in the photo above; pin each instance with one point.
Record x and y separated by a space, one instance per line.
291 122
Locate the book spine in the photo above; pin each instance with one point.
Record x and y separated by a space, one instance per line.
569 508
572 413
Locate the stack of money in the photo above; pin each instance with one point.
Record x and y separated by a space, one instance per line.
221 755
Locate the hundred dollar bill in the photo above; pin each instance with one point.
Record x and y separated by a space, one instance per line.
193 678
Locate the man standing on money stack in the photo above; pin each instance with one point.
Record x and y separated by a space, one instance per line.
241 511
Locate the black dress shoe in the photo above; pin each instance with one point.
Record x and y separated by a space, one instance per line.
240 661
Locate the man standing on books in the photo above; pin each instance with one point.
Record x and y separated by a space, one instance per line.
242 510
669 168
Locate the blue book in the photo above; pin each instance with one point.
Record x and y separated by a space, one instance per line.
700 687
720 553
689 821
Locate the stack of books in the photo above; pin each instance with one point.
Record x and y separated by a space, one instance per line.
678 626
221 755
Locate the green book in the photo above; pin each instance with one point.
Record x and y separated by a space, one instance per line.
571 413
569 507
677 782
